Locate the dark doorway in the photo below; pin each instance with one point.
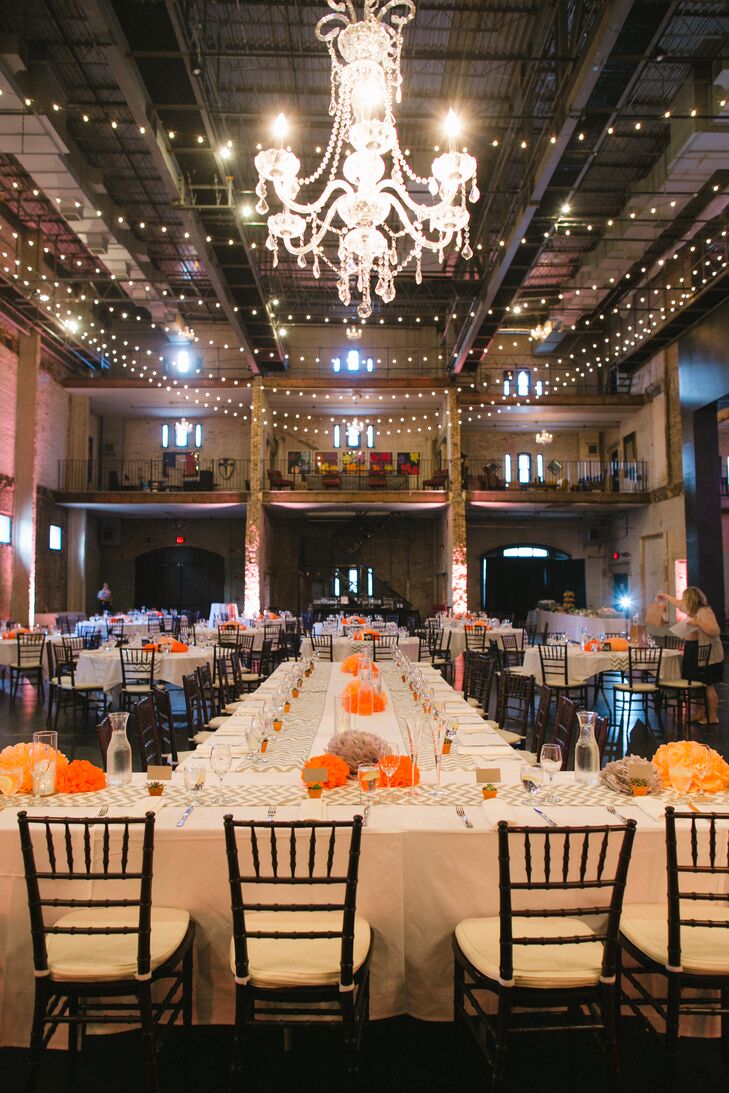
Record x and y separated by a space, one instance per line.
179 577
515 585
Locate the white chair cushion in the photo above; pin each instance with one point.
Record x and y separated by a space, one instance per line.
138 688
704 949
682 684
66 686
232 707
201 737
96 958
637 688
474 702
250 677
285 962
217 722
536 966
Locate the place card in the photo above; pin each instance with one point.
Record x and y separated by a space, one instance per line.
315 774
159 773
488 774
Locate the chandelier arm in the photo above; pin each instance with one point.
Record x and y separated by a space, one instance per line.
315 206
398 20
392 187
316 239
434 245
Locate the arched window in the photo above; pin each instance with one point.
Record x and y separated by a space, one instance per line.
527 550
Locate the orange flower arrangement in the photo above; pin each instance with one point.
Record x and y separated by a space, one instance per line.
14 633
593 646
356 620
79 776
403 776
352 704
367 633
683 753
618 645
337 770
353 663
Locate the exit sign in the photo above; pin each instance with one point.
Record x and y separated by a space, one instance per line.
180 539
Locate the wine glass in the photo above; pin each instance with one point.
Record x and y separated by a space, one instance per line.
680 779
550 758
438 731
702 767
254 735
368 775
11 779
194 774
388 765
532 778
40 766
414 730
220 761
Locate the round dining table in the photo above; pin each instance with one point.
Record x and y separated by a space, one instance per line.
585 665
103 666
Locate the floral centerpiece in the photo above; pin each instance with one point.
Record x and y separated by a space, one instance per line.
353 664
357 747
685 753
367 633
352 702
336 768
79 776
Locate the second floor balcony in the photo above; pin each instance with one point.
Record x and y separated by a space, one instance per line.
576 480
182 473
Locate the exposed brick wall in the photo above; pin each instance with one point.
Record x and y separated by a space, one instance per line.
50 565
51 428
223 436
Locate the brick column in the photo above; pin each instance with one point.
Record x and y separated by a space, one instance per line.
22 600
456 521
77 449
255 530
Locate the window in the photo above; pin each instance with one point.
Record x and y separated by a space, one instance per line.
507 383
540 467
183 435
354 363
523 382
370 434
524 552
370 582
55 537
353 576
337 436
5 529
337 586
353 437
507 468
524 467
539 388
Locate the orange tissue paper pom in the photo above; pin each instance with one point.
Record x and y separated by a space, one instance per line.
403 776
21 755
353 663
683 753
618 645
80 776
337 770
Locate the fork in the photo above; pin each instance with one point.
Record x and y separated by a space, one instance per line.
103 811
271 813
461 812
613 812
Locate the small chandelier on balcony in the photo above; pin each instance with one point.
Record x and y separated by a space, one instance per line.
541 331
354 333
544 437
354 426
377 226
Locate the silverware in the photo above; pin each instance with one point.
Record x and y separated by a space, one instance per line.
103 811
460 812
271 814
550 821
185 814
614 812
692 806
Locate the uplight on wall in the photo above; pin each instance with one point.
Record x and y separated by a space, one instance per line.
55 537
6 529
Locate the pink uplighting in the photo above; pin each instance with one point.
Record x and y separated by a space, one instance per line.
252 591
459 580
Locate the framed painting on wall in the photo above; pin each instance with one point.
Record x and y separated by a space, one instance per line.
381 461
299 462
326 462
353 462
408 463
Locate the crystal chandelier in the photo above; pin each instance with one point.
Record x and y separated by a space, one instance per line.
543 437
354 427
369 215
540 332
354 333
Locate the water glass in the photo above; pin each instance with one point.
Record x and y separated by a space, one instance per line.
680 779
702 767
220 761
194 775
368 775
11 779
388 765
532 778
550 758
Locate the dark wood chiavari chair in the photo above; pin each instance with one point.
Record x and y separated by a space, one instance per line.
565 727
541 720
644 671
137 667
476 638
210 697
165 723
323 646
274 941
514 706
555 958
384 647
679 694
96 956
28 663
554 661
686 941
144 720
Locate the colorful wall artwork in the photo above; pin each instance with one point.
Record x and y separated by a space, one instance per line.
299 462
326 462
381 461
408 463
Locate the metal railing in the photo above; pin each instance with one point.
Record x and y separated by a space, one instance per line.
177 473
327 472
568 476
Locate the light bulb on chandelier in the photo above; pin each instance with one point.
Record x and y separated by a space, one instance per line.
377 225
544 437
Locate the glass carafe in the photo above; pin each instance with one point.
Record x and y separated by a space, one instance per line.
119 752
587 754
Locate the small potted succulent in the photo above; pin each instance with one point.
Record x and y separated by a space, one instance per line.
155 789
448 741
639 787
489 791
314 789
264 744
277 724
287 706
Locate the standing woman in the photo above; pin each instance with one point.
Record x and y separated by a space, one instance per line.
706 632
104 598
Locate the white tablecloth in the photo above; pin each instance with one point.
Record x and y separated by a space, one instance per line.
572 625
583 666
104 667
458 637
342 647
421 871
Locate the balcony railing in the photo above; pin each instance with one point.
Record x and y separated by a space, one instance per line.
183 473
330 476
570 476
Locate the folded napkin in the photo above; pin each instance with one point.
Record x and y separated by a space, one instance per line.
563 815
490 751
313 809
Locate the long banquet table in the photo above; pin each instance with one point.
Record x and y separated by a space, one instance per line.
343 647
573 625
421 870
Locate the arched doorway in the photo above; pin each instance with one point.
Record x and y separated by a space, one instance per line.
179 577
515 577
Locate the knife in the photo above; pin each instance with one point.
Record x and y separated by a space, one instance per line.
185 814
550 821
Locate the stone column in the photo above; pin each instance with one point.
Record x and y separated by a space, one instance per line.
22 600
77 449
456 521
254 558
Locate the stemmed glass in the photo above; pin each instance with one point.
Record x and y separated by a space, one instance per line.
255 734
532 778
220 761
388 765
681 778
702 767
438 731
414 730
550 758
368 775
194 774
11 779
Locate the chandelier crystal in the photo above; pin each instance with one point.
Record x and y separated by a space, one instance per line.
544 437
369 215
